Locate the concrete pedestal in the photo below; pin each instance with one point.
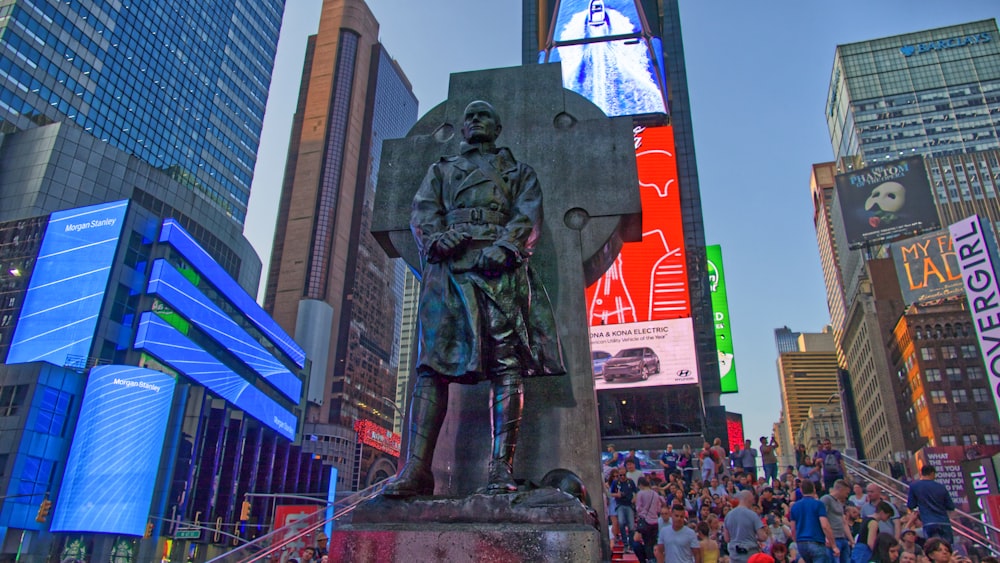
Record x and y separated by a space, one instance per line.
465 543
535 525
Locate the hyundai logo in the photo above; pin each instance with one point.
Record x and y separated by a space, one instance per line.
684 373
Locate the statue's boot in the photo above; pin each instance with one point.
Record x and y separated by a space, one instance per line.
507 403
427 410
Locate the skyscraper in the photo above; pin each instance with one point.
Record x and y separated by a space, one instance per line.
330 283
628 415
808 377
933 93
180 85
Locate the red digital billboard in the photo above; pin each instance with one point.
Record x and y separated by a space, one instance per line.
734 430
649 279
383 440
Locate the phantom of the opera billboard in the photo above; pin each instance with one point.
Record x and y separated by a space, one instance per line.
927 267
640 309
886 201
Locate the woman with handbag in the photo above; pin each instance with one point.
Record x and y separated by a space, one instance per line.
647 509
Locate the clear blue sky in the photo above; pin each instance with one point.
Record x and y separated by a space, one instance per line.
758 74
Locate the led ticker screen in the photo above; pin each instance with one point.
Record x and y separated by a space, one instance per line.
608 57
163 341
115 455
649 279
383 440
175 235
186 300
720 316
66 291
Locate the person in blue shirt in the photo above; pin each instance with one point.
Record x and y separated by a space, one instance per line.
932 501
669 460
811 528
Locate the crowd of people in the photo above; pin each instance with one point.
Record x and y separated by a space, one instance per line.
713 506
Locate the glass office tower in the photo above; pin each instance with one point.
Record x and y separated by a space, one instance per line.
181 85
933 93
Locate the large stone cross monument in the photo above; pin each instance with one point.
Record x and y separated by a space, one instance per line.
585 163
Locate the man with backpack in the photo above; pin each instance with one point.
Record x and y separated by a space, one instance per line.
832 462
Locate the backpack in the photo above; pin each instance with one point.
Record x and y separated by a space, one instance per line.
831 463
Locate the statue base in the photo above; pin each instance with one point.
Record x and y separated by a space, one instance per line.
538 525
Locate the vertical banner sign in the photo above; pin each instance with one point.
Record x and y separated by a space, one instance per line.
975 246
980 483
720 314
639 311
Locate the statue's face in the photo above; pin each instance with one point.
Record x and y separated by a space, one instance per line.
481 124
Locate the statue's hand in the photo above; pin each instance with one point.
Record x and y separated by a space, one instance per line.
494 259
447 245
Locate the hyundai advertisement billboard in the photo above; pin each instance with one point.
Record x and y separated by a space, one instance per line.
67 287
115 454
649 279
642 303
608 56
886 201
720 316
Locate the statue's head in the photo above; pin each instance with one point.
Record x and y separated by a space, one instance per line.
482 123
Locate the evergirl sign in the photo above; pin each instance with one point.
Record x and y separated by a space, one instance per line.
977 257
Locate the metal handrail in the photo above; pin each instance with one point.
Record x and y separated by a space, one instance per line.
245 554
900 490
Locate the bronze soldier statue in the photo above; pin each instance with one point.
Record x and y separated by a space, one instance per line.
483 313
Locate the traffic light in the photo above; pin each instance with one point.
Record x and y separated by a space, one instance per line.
245 511
149 530
43 511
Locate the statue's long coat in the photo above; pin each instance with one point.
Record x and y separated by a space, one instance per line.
450 315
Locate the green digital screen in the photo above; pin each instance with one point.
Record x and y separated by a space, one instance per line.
720 315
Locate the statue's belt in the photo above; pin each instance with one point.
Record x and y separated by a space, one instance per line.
476 216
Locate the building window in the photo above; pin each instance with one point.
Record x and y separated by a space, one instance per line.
991 439
932 374
974 373
938 397
36 477
959 396
970 439
52 411
11 398
969 351
954 374
949 441
949 352
980 395
927 353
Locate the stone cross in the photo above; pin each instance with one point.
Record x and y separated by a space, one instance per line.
585 163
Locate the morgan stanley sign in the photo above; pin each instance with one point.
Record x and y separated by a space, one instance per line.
977 256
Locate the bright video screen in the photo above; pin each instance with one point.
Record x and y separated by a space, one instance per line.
607 58
67 286
115 454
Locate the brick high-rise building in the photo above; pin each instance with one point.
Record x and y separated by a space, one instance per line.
330 283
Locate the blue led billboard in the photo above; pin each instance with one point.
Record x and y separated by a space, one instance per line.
67 287
162 340
607 57
175 235
115 454
186 300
